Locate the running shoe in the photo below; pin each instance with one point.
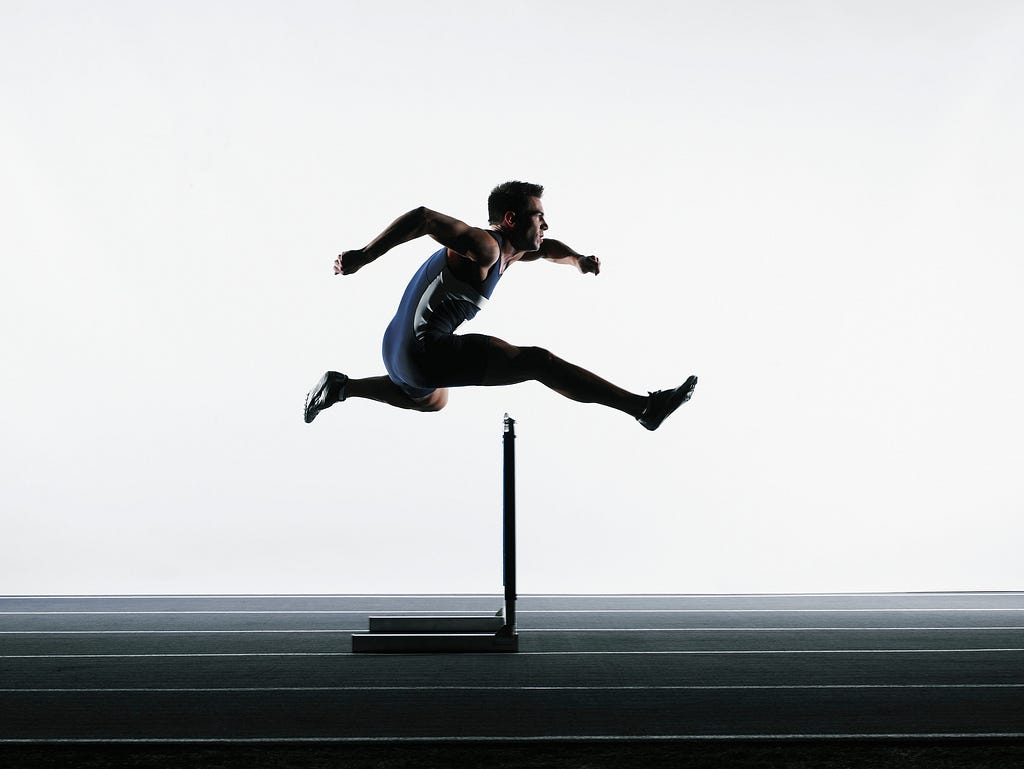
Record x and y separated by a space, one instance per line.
328 391
663 402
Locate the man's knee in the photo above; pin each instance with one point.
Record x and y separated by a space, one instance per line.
436 401
534 359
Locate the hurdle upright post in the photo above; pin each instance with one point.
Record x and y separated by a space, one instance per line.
508 524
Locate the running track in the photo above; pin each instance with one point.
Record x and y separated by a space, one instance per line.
225 669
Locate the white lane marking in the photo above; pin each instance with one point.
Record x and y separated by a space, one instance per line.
879 628
247 596
522 653
229 611
859 628
170 655
516 739
395 612
791 651
722 687
886 610
178 632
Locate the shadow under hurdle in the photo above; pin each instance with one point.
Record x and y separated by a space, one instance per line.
484 633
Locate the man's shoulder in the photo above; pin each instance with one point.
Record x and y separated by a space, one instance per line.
480 245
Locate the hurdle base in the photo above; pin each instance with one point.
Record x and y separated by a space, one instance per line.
448 643
437 634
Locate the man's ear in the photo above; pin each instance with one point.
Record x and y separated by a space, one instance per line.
509 219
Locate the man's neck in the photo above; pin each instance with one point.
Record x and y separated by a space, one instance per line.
508 251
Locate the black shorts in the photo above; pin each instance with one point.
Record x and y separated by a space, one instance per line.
420 366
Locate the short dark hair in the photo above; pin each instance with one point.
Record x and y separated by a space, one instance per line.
510 196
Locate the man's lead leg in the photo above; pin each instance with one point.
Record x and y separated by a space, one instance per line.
507 364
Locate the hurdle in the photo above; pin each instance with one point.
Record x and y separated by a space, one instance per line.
483 633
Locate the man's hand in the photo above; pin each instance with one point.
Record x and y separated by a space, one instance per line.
350 261
589 264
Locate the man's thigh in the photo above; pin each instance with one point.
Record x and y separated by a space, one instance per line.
478 359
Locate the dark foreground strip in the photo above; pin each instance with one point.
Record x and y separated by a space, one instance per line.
723 754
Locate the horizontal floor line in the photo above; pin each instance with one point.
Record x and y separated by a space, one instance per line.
395 612
723 687
522 653
793 651
774 628
883 610
179 632
247 596
528 630
514 739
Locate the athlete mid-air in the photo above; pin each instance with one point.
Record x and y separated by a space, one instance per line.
422 353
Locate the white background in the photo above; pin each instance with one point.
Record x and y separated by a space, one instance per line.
816 207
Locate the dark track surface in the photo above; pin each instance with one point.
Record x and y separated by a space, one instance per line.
221 670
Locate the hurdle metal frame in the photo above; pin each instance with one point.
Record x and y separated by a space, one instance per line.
484 633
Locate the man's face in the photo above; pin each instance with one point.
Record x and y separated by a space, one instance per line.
531 225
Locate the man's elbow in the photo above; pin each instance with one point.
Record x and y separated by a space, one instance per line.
423 216
430 222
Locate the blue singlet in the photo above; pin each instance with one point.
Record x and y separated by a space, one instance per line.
417 350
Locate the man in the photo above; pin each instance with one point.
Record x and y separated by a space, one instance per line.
424 356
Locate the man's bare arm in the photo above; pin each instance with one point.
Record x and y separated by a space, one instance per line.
557 251
471 242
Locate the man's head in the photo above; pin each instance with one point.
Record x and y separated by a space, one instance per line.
511 196
515 208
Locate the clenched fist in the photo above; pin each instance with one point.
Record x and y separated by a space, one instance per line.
350 261
589 264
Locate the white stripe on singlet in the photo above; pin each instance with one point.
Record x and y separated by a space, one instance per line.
445 285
